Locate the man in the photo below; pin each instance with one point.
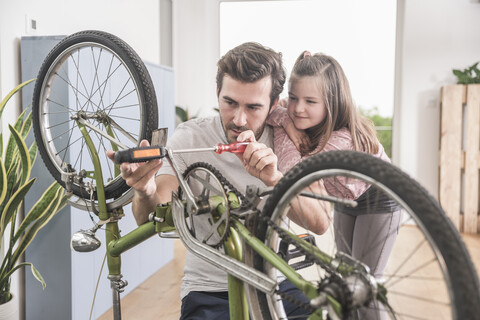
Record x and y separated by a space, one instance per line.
249 80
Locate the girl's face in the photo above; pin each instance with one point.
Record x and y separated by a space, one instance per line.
306 105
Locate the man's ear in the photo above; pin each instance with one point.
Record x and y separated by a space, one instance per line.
274 105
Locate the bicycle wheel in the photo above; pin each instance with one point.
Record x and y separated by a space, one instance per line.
418 266
97 77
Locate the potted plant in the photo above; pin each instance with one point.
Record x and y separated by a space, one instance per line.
468 75
16 232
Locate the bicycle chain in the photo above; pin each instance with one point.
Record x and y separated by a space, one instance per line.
246 204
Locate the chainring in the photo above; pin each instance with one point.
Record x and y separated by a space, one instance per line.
207 225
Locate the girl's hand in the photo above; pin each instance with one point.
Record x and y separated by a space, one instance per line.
298 137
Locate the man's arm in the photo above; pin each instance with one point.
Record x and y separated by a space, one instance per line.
261 162
143 205
149 190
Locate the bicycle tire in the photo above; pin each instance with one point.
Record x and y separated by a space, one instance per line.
459 283
115 64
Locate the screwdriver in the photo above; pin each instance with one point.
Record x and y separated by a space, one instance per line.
235 147
141 154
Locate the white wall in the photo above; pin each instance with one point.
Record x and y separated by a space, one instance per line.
136 22
433 37
196 50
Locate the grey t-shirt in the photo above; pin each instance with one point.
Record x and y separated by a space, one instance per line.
201 133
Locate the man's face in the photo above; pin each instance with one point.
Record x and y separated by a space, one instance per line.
244 106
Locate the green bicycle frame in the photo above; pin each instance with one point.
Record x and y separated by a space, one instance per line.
163 222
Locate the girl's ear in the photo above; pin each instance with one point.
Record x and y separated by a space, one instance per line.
217 92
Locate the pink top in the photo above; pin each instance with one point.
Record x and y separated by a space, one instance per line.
289 156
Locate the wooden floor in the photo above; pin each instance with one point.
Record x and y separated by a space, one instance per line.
159 296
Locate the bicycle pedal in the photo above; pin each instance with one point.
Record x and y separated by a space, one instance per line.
288 255
301 264
169 235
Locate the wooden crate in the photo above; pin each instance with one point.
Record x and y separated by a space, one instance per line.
460 155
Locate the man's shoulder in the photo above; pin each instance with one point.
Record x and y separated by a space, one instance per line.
198 123
193 131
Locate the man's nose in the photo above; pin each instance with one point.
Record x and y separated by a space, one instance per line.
240 118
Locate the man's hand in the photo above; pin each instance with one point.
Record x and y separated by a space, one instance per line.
140 176
259 160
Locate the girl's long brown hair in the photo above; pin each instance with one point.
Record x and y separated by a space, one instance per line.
341 110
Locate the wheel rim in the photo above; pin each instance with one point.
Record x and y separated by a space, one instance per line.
100 85
398 282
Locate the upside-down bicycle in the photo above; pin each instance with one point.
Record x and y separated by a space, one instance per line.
79 112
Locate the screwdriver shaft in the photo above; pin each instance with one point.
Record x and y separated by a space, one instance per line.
195 150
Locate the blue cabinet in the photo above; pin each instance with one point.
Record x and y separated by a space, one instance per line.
71 277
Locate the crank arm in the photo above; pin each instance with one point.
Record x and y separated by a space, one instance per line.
226 263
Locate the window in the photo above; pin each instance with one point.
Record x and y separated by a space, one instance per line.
360 35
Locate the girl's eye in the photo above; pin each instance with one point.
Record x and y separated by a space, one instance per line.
311 101
292 98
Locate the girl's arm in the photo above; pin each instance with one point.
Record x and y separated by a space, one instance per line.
298 137
279 118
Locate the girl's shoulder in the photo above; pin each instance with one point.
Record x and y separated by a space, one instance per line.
278 117
340 140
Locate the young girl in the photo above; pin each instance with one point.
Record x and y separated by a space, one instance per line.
320 116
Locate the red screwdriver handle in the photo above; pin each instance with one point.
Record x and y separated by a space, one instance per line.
236 147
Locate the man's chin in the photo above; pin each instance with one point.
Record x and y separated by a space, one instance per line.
232 138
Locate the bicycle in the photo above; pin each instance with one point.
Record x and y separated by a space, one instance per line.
258 248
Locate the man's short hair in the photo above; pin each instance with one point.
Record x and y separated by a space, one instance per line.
250 62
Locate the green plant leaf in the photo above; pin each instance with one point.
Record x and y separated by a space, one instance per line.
27 125
13 181
10 153
11 93
37 225
35 273
25 157
19 123
181 113
3 179
38 209
468 75
13 203
1 145
33 152
12 186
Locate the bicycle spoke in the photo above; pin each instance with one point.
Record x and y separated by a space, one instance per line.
83 80
407 258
